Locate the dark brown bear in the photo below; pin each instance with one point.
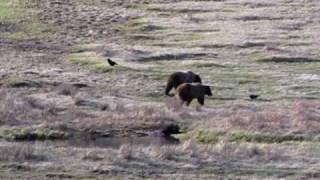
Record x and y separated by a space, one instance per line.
186 92
178 78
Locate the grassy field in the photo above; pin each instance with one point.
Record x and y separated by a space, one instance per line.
65 113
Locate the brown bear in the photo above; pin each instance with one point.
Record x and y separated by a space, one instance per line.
186 92
178 78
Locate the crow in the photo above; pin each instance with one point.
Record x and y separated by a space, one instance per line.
112 63
253 96
171 129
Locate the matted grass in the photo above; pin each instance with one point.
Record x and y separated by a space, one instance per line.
11 10
21 25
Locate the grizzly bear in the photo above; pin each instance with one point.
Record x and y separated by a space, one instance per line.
178 78
186 92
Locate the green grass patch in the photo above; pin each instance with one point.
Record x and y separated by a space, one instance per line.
85 58
234 78
303 68
205 65
94 62
31 134
20 24
263 137
181 10
257 55
81 48
289 60
142 37
16 82
31 30
136 6
157 74
212 137
186 37
104 68
202 136
139 25
11 10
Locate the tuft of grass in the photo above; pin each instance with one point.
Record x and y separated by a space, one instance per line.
264 138
81 48
139 25
205 65
212 137
136 6
289 60
189 37
85 58
257 55
203 136
157 74
15 82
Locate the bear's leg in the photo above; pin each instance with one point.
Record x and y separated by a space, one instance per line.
201 100
179 101
169 87
176 82
188 102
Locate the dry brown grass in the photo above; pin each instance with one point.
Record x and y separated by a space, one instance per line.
18 109
300 116
14 110
109 115
20 153
191 158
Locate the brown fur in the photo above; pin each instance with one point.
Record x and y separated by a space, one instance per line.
178 78
186 92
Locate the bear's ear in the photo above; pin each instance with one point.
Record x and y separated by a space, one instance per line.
208 91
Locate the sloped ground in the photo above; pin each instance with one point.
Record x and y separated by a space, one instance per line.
56 84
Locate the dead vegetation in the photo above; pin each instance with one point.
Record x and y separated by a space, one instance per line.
300 116
15 152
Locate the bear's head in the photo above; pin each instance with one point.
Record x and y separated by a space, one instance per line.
208 90
197 79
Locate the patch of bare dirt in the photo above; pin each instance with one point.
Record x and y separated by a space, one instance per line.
76 21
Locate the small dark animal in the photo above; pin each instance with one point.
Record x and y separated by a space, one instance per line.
112 63
186 92
178 78
171 129
253 96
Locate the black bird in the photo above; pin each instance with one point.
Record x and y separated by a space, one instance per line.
171 129
112 63
253 96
